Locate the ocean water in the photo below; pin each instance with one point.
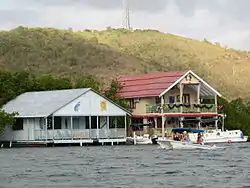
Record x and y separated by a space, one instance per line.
125 166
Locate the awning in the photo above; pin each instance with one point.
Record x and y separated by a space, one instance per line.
140 124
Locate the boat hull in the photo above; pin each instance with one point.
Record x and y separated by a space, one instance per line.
170 144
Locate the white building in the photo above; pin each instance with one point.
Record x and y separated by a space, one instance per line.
66 116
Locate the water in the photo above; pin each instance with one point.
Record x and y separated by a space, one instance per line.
124 166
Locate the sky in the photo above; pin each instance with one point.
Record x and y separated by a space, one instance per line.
223 21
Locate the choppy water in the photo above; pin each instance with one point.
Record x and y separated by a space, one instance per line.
124 166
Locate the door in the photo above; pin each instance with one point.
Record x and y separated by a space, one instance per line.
186 99
76 123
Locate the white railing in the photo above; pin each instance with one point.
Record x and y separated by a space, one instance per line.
68 134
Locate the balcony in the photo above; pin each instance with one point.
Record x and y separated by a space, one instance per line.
186 108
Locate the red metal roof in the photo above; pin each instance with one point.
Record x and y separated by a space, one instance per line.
148 85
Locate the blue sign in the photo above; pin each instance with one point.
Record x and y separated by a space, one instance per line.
76 107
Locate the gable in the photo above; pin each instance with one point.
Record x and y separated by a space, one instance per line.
189 79
90 104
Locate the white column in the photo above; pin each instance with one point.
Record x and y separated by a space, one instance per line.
181 102
53 127
198 95
216 110
108 126
125 123
97 126
162 117
116 127
71 127
181 96
89 126
46 129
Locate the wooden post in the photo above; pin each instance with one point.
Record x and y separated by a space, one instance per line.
162 117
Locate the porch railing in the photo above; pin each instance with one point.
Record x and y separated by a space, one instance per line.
68 134
186 108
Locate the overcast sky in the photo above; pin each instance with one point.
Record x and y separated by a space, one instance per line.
223 21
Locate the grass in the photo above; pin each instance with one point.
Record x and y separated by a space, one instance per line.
111 53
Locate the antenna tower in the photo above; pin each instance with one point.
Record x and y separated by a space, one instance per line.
126 21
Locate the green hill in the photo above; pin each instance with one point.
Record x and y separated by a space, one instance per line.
109 53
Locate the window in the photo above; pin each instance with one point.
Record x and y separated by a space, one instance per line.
87 122
93 122
58 123
132 104
157 100
171 99
18 124
185 99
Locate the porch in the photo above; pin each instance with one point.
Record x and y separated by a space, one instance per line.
181 108
80 134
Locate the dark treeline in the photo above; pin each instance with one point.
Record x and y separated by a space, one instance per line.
14 84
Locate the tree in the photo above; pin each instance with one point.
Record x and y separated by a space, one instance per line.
112 92
6 119
88 81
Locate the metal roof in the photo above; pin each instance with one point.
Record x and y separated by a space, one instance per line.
42 103
152 85
148 85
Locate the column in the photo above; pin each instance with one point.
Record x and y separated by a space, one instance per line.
71 127
198 95
216 111
145 121
162 117
46 129
97 126
89 126
125 123
53 127
181 96
107 126
155 120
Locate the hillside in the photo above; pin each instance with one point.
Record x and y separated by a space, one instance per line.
109 53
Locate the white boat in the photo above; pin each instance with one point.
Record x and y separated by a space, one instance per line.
219 136
172 144
142 140
215 135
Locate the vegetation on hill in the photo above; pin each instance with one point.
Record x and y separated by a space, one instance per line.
113 52
72 56
13 84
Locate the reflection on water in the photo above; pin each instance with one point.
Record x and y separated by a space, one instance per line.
124 166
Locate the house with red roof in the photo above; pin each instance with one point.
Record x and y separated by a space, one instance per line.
170 99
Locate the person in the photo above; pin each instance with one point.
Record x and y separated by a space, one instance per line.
187 138
199 139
